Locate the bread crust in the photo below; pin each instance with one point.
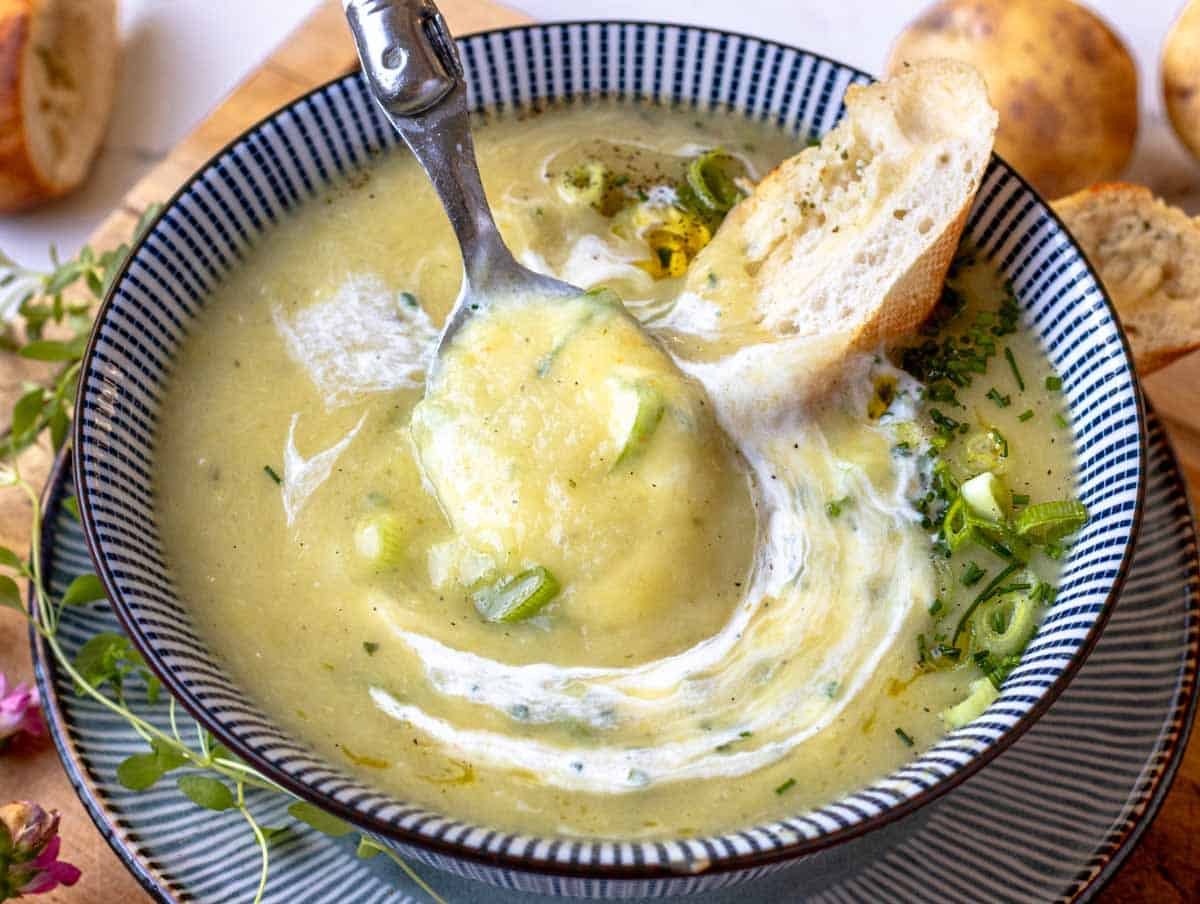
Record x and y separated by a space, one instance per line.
1125 232
20 183
58 62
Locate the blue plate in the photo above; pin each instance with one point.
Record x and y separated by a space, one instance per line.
1050 819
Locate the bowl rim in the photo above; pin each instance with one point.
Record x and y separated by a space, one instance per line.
721 863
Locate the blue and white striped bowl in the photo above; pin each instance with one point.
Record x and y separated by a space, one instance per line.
219 214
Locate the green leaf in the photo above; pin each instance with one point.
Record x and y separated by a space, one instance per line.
140 771
367 848
83 590
50 350
153 685
26 410
168 756
103 659
10 594
63 277
59 424
270 833
318 819
11 559
71 504
206 792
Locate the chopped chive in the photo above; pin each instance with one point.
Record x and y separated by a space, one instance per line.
409 299
1054 383
999 442
972 574
1025 415
1002 401
1061 421
935 607
786 786
1019 499
270 472
370 647
1012 363
905 737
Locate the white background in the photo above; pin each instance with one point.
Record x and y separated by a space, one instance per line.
182 56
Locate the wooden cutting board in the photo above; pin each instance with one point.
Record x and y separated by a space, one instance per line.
1166 867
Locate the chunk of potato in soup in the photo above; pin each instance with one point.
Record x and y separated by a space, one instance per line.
565 592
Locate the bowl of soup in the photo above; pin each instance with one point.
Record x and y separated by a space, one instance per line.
546 621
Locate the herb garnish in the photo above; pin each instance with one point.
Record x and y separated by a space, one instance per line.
270 472
786 787
1016 371
905 737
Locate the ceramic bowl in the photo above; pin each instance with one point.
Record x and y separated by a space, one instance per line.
221 212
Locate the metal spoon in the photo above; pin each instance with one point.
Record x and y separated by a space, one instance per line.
415 75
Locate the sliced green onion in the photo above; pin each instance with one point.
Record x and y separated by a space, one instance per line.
1020 499
986 594
786 787
905 737
1004 625
379 540
956 526
637 411
712 185
983 694
516 599
1012 363
272 473
1025 415
984 494
1048 522
1054 383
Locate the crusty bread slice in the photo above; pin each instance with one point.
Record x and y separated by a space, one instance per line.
1148 256
849 241
58 65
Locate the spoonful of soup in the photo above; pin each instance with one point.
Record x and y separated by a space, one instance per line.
565 447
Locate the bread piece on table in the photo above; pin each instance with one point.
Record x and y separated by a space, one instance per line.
1148 256
850 240
58 66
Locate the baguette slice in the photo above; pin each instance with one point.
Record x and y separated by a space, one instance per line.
846 245
1148 256
58 65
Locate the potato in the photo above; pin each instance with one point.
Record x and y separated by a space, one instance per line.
58 66
1181 76
1065 85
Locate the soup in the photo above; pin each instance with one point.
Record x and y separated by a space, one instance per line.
571 586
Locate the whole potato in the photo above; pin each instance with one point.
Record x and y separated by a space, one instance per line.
1181 76
1065 85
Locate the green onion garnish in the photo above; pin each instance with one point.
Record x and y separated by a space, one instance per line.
1002 401
1054 383
515 599
270 472
835 507
370 647
1019 499
936 607
972 574
1025 415
786 786
987 593
1048 522
905 737
1061 421
1012 363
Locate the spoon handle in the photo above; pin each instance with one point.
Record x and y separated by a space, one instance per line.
415 75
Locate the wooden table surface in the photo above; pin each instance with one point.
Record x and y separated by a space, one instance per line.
1166 865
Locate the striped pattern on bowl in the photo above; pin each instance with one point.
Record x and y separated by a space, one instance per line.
216 218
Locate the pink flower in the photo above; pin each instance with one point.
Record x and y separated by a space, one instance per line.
29 846
20 711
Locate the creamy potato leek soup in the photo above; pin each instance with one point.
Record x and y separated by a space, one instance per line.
557 582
